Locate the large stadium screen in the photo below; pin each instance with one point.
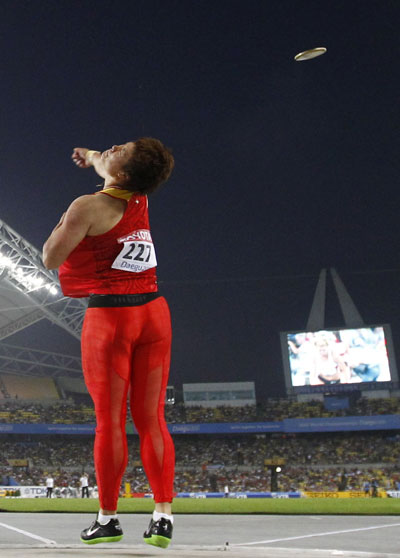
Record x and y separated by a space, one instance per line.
339 356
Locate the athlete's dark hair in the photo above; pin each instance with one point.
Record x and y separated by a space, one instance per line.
150 165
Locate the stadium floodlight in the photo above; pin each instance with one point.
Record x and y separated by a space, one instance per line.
31 280
21 268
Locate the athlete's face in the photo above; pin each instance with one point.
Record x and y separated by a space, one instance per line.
115 158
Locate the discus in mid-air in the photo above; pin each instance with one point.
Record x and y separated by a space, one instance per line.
311 53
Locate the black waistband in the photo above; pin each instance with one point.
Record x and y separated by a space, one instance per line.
115 300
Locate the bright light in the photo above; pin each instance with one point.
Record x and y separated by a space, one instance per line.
5 261
38 281
27 280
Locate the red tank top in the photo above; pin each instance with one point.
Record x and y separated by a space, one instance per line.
120 261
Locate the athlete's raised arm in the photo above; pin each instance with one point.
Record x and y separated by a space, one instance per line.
71 229
85 158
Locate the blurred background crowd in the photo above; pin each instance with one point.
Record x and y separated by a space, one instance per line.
230 463
74 412
317 462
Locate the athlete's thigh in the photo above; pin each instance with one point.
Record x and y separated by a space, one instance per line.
105 351
151 357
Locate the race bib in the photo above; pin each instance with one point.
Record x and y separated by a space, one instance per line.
137 253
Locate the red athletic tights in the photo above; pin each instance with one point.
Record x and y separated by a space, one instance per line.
127 349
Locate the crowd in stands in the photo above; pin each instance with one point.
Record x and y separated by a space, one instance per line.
70 412
315 463
64 412
233 451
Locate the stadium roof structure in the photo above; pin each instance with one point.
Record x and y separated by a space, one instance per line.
29 293
32 362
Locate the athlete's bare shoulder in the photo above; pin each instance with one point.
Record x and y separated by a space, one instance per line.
83 202
80 209
90 203
105 213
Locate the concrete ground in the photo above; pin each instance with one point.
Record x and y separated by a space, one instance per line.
50 535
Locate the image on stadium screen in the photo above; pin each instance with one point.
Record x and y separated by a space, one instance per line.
344 356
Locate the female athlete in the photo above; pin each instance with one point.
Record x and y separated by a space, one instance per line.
103 249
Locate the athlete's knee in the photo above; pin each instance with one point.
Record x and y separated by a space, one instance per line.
145 420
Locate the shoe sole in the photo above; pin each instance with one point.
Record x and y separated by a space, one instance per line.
158 540
102 540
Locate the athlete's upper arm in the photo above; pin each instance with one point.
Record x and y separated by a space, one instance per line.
71 230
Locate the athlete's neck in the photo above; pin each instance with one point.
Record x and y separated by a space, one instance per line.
113 186
117 192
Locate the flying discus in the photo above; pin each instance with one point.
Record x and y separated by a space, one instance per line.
308 54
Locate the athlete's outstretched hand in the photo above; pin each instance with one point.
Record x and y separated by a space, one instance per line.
79 157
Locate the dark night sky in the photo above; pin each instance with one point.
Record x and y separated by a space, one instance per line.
282 168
